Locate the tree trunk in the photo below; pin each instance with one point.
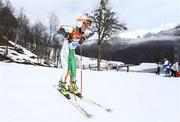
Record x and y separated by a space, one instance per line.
98 57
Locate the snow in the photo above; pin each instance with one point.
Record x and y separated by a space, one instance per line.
154 38
141 32
87 61
23 56
142 67
27 95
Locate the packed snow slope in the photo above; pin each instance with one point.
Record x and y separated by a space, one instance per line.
27 95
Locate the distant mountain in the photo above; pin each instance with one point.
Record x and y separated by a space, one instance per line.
152 47
142 32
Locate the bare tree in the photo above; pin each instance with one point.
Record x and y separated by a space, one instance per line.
1 4
7 23
37 38
38 31
23 28
53 25
105 24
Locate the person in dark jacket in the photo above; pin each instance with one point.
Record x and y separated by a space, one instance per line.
158 68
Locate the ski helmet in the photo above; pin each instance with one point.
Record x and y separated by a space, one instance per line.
83 20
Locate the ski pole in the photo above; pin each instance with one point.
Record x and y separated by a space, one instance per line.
81 67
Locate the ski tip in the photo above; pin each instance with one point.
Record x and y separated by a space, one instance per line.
109 110
55 86
89 116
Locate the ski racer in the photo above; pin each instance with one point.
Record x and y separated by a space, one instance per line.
72 37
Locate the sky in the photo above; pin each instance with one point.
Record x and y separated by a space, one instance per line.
137 14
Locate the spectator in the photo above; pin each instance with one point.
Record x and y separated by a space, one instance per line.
174 69
158 68
166 66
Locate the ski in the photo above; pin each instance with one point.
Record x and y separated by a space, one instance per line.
80 109
76 105
93 103
96 104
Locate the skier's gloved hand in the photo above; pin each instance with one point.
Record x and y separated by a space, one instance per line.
81 40
61 31
58 32
68 36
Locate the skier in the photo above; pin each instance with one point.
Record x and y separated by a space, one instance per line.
72 37
166 66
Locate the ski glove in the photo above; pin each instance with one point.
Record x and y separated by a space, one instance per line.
62 32
81 40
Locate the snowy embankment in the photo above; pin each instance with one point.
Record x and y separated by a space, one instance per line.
18 54
143 67
27 95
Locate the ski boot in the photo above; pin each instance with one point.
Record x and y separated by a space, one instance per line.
74 89
63 89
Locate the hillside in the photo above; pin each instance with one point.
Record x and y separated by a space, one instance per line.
17 54
150 48
11 52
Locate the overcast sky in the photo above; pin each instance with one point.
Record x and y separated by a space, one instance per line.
137 14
